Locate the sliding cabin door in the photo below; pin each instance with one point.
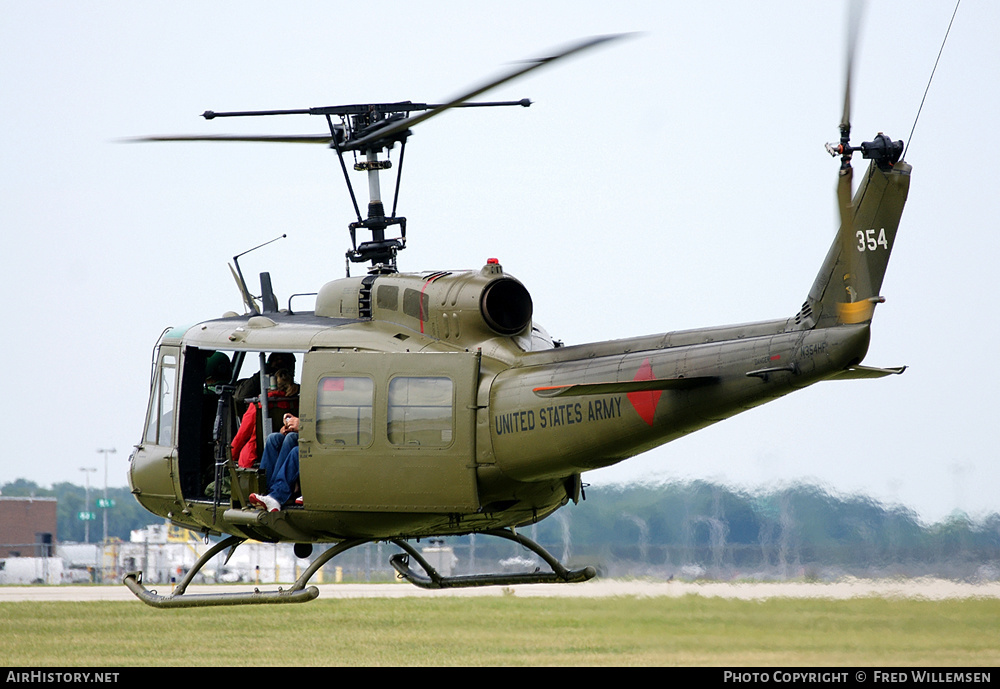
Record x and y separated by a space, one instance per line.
388 432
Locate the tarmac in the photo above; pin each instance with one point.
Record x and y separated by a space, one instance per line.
929 589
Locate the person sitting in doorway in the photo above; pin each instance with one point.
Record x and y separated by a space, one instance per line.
280 462
282 399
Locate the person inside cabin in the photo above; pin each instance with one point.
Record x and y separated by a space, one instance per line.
218 370
249 388
282 400
285 394
280 462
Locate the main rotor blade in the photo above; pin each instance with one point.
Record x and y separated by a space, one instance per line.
266 138
523 68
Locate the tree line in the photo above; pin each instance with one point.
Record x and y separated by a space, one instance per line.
680 529
798 530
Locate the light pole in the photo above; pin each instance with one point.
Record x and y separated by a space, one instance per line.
86 503
106 452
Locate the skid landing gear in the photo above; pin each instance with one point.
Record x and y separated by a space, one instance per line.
300 593
433 580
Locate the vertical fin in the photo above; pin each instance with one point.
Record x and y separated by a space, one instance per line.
849 283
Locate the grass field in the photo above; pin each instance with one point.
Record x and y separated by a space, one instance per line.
504 631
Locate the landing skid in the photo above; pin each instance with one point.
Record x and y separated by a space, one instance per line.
300 593
433 580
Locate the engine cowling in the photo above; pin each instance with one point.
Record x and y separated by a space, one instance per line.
456 306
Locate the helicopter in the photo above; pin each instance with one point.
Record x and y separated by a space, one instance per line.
433 404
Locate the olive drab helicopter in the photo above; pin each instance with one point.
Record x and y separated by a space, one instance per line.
433 404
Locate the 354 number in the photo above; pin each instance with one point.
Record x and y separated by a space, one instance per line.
867 241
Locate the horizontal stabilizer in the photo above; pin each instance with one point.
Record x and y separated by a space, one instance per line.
624 386
864 372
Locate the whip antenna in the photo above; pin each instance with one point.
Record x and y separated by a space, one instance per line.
910 139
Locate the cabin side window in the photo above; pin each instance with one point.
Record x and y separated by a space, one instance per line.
344 411
420 411
160 418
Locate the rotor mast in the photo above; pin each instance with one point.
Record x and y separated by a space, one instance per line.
380 251
368 129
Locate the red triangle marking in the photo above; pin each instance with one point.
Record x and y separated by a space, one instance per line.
645 402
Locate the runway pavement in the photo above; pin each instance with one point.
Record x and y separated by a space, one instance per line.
930 589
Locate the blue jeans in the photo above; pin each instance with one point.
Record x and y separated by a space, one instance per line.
280 462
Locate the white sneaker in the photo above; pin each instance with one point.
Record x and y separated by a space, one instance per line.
264 501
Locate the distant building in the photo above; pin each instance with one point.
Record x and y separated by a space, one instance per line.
27 527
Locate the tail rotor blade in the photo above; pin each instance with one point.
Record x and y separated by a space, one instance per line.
849 309
855 11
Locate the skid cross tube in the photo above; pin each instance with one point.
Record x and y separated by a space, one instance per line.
434 580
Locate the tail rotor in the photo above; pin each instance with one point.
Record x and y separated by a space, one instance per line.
847 288
857 290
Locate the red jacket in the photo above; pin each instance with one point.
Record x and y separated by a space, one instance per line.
244 446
